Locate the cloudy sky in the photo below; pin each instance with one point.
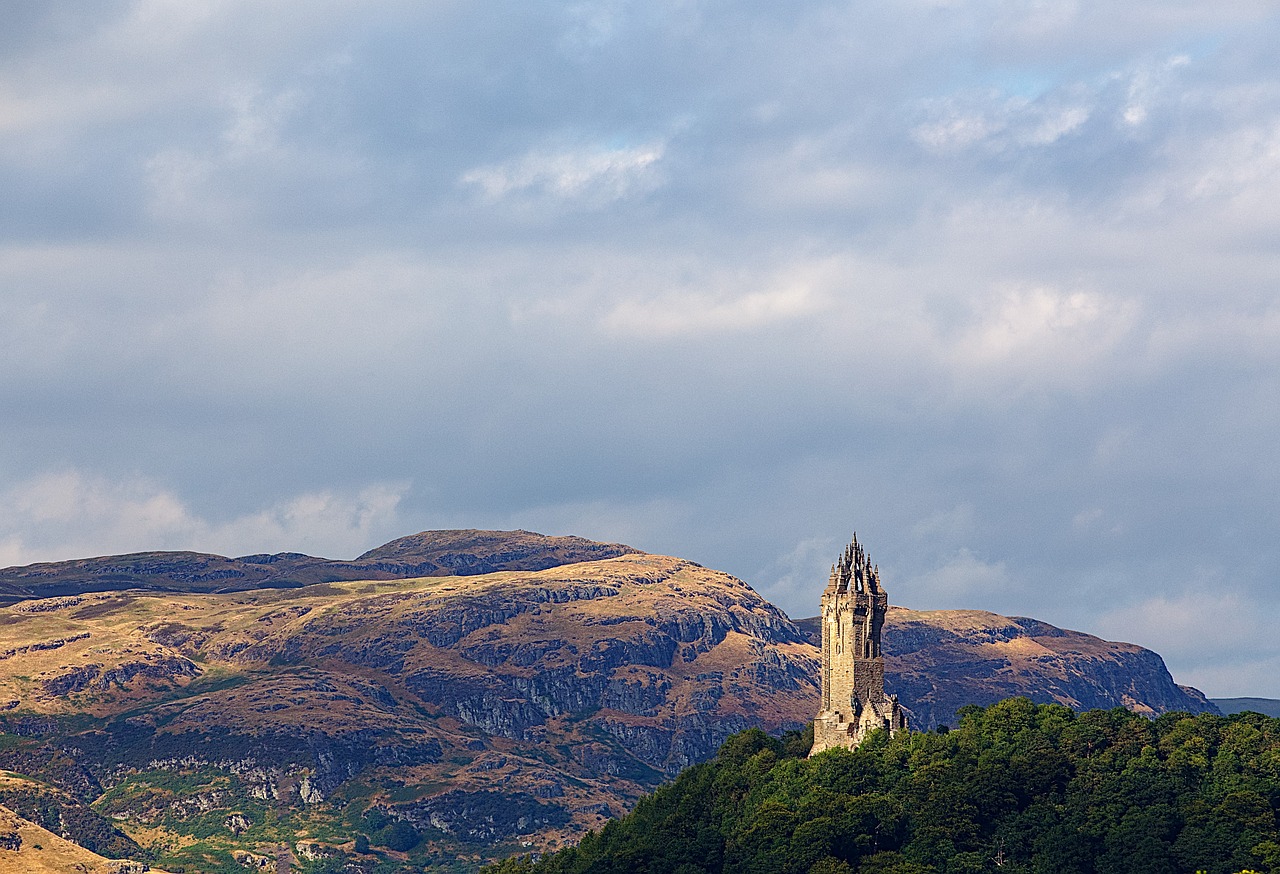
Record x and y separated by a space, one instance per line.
994 282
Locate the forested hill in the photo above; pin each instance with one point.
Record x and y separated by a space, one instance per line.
1016 788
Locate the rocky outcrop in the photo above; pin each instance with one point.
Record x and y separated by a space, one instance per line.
94 676
310 851
254 861
74 680
41 645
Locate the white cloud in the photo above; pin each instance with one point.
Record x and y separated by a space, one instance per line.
1033 337
1239 162
1054 124
963 580
724 302
1096 524
591 175
999 123
797 577
672 315
71 514
954 129
1189 622
256 119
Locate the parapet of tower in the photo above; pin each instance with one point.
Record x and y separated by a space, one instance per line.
853 699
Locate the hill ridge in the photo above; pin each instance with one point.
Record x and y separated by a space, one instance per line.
447 552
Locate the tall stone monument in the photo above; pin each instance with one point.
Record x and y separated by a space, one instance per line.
853 698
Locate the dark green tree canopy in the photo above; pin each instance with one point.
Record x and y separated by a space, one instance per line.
1017 788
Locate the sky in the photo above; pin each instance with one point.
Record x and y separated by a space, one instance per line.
992 282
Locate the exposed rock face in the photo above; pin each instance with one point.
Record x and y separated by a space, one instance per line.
940 660
81 678
428 554
237 823
254 861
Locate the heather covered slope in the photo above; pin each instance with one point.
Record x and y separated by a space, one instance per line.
937 661
428 554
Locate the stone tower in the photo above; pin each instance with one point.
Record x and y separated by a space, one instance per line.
853 699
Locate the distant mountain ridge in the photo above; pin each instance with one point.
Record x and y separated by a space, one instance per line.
1265 706
458 552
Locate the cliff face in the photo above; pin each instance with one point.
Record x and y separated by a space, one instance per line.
940 660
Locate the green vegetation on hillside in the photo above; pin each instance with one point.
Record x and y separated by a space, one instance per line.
1015 788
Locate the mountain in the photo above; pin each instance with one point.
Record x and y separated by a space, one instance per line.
379 721
1267 706
433 715
938 661
428 554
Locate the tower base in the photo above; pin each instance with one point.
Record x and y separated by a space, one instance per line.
836 730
